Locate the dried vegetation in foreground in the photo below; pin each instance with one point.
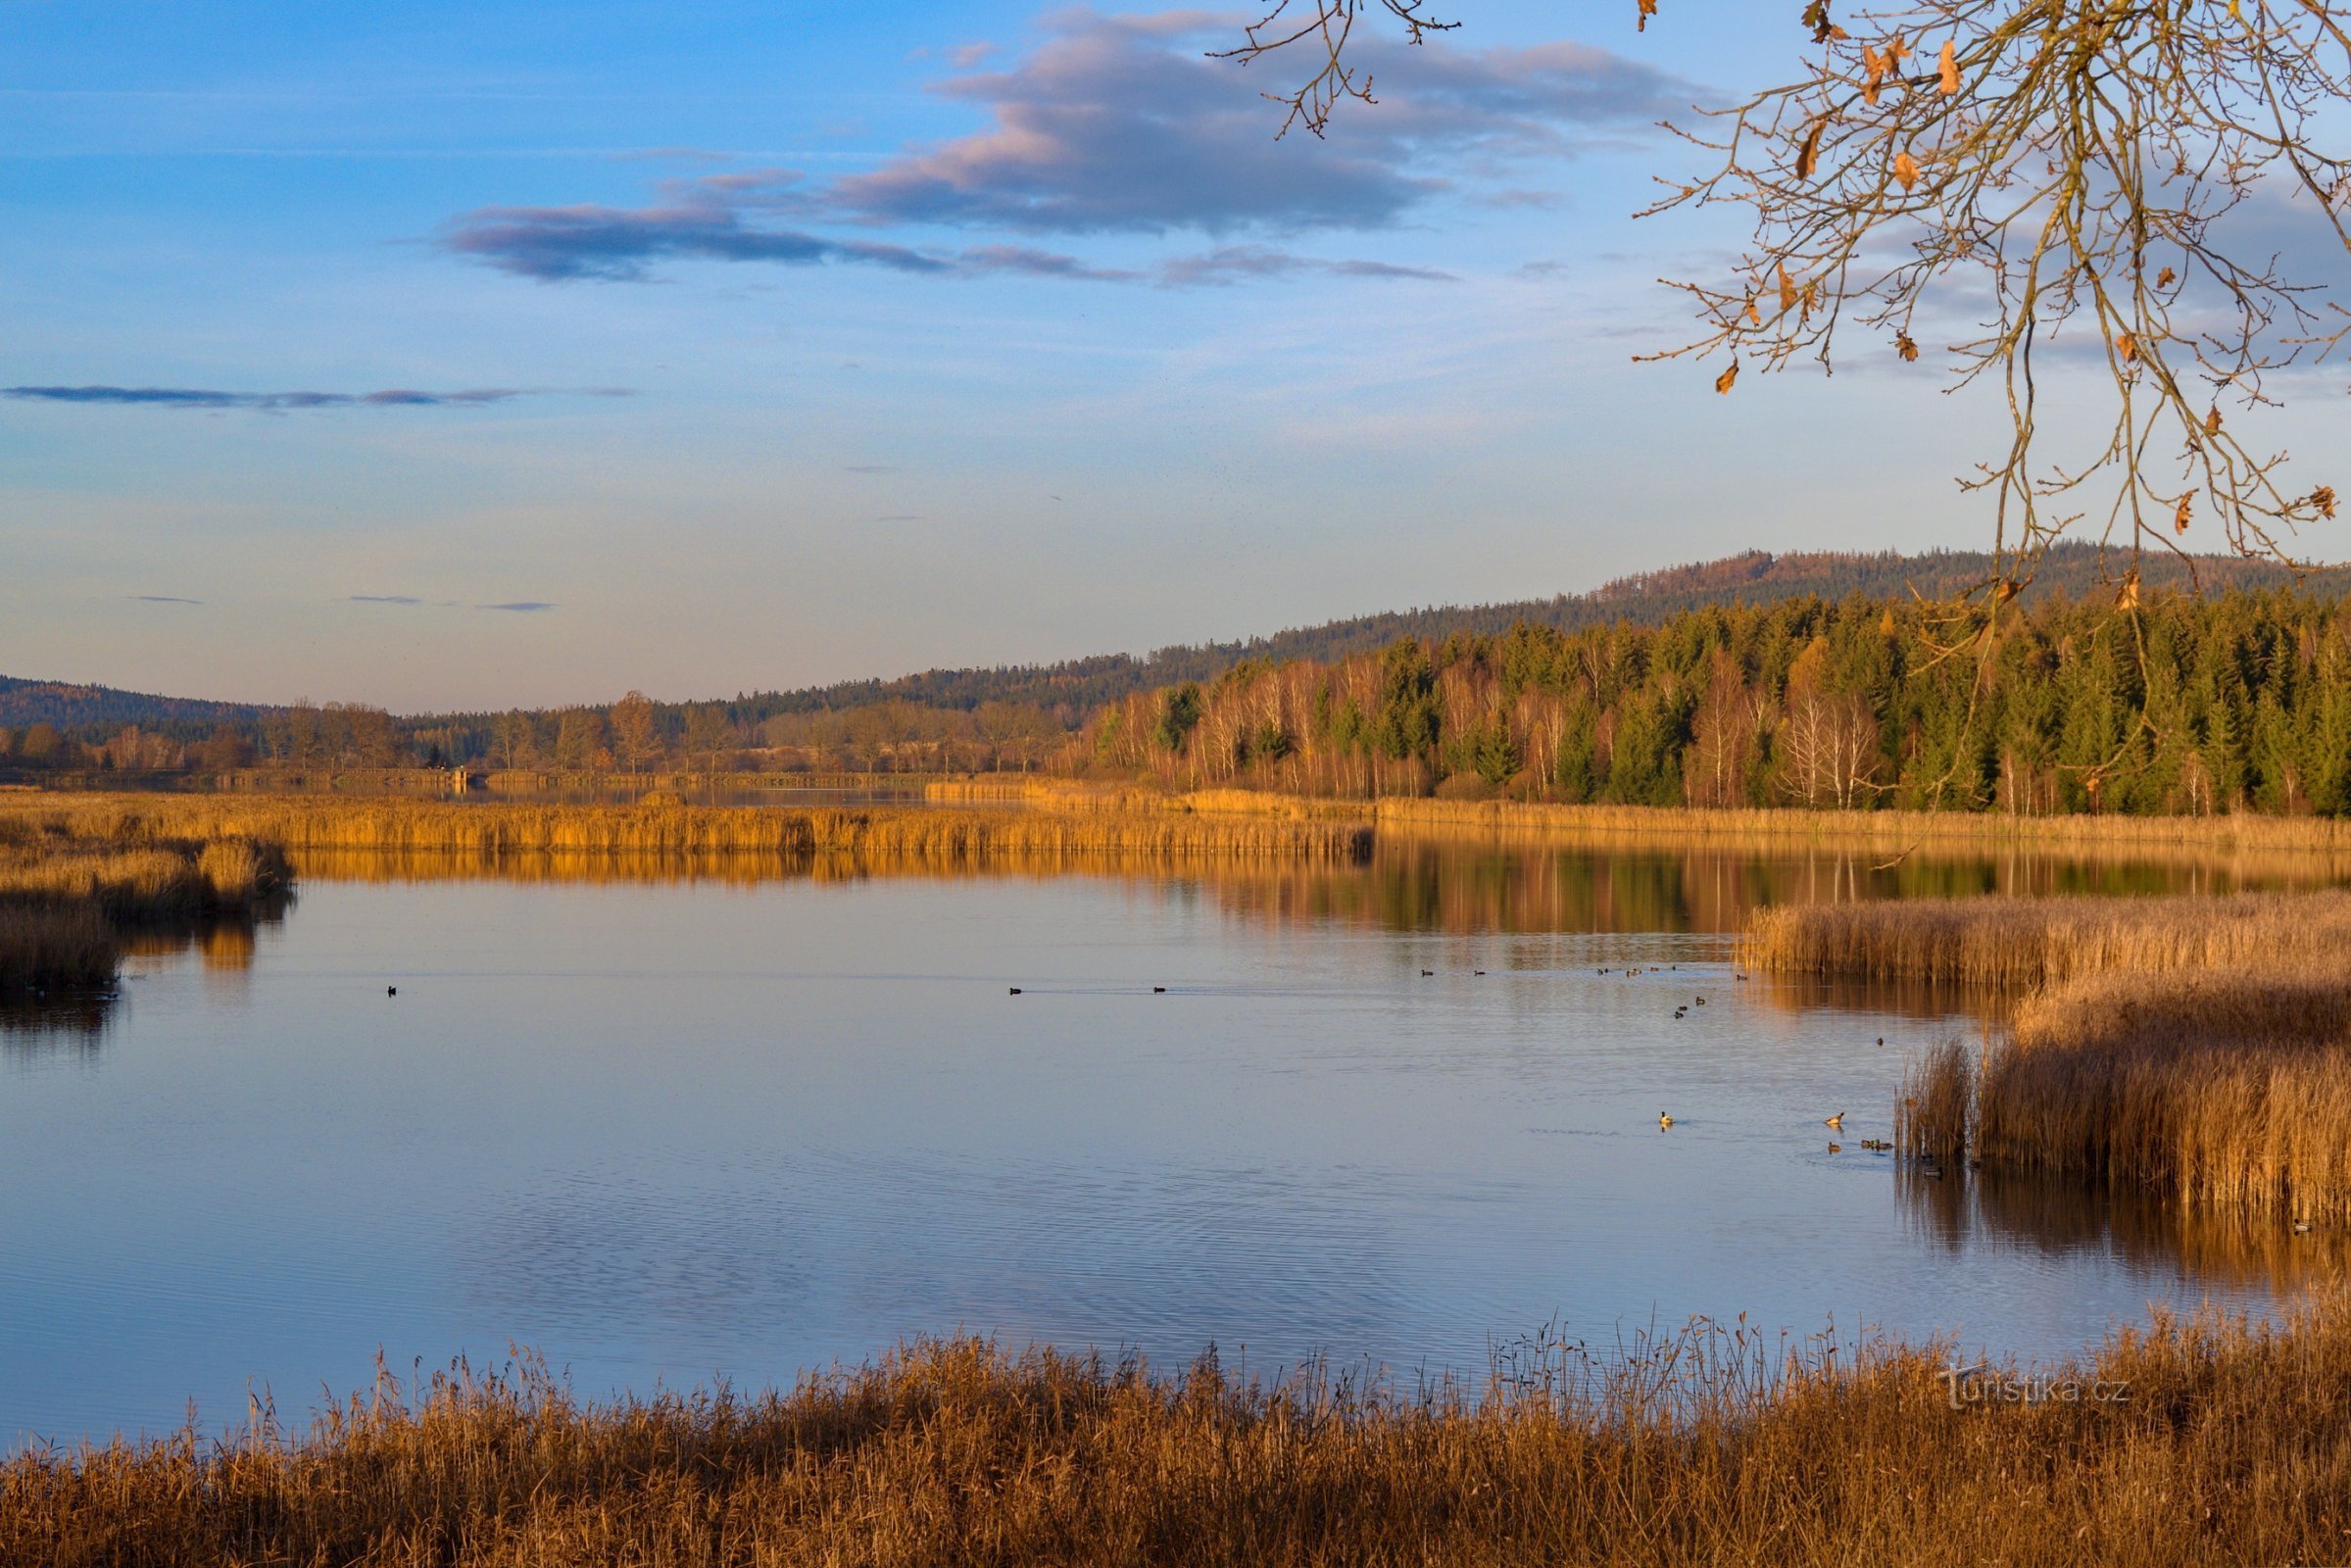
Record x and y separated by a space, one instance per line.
2233 1445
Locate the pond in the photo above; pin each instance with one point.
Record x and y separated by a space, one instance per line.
661 1124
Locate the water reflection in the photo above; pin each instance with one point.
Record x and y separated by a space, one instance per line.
1413 884
665 1118
225 947
1963 1211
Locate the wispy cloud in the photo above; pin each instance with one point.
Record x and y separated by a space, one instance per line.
1121 124
383 599
1238 263
559 244
164 599
181 397
524 606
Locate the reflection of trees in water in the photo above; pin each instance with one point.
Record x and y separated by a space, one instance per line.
1418 883
2150 1237
224 943
1463 885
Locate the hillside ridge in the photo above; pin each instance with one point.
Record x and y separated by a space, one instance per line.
1075 686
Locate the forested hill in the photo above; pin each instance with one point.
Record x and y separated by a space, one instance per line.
1075 688
1757 577
71 708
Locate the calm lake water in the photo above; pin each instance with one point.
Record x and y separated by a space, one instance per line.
665 1128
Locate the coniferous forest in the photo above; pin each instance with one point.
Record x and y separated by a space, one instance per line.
2240 700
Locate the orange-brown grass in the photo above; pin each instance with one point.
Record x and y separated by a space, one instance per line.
2233 1445
2274 1002
2221 1088
497 827
2194 1047
2017 944
68 891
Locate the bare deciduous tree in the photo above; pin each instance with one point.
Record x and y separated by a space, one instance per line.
2100 178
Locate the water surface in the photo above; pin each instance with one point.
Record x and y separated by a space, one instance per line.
671 1126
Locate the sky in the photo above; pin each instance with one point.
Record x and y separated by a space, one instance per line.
467 355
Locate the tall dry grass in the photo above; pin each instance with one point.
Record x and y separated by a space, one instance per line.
2017 944
516 828
1933 1120
51 947
2233 1444
1773 825
71 889
2199 1049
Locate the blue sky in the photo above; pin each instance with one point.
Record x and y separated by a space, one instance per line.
474 353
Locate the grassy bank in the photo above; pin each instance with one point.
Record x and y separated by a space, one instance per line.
479 827
72 890
2233 1445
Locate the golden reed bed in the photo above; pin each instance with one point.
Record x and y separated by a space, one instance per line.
2190 1442
72 891
513 828
2196 1047
1773 826
2016 944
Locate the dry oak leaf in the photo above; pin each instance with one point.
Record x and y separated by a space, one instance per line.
1729 378
1808 156
1906 169
2126 346
1906 346
2322 499
2165 278
1649 9
1949 68
1788 294
2127 596
2212 420
2182 511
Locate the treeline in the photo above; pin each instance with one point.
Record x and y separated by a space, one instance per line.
1078 687
1069 691
2236 701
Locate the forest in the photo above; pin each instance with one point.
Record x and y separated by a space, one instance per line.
2229 699
2186 705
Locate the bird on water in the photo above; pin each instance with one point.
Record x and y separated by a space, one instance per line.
1837 1121
1663 1120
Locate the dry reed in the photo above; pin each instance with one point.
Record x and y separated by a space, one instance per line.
2231 1443
502 828
68 894
1931 1123
2016 944
46 946
1761 826
2198 1048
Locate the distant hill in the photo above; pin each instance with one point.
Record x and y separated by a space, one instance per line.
1075 687
71 708
1756 577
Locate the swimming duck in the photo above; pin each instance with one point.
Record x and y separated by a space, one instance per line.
1663 1120
1837 1120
